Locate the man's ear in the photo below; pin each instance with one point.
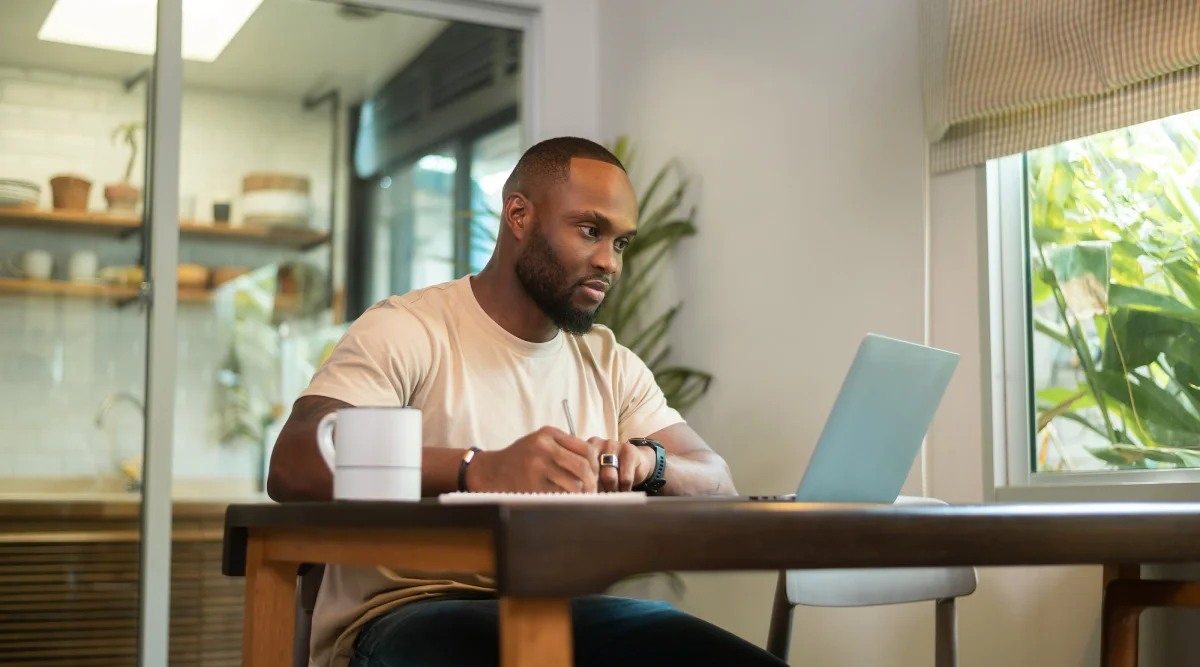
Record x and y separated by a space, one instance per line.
518 214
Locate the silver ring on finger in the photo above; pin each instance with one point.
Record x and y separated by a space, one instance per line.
609 460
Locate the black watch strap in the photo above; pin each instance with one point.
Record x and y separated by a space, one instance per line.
657 479
462 468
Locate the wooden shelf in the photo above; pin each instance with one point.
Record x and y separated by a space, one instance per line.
67 289
122 226
97 291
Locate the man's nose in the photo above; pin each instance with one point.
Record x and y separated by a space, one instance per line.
606 260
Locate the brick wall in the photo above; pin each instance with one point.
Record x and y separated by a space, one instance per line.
60 358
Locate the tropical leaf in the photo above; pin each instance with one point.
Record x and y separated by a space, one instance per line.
670 232
648 195
660 229
1082 271
649 338
1140 298
1142 336
1163 416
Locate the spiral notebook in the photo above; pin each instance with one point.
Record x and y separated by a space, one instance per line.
614 498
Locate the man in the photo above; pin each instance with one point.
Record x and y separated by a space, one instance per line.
489 359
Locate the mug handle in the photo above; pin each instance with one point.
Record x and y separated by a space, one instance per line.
325 439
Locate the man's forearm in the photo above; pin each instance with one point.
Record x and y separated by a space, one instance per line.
439 474
299 472
700 473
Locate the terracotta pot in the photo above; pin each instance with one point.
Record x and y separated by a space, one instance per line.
70 193
192 276
224 274
122 197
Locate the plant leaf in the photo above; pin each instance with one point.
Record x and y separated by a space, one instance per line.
1160 412
1140 298
664 210
647 341
1082 271
670 232
1048 415
648 195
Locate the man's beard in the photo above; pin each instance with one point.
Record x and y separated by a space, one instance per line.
546 281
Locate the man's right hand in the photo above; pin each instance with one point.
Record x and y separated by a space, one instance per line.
547 460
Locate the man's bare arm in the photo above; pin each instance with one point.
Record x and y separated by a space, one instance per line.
693 468
298 471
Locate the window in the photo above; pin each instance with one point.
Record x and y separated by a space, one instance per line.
432 147
493 157
435 218
1097 241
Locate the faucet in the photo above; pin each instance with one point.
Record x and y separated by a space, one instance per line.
111 401
130 469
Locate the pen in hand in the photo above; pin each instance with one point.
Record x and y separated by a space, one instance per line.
570 421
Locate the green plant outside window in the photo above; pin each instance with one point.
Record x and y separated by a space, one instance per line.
1114 260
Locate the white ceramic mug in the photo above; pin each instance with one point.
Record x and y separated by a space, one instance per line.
33 264
82 266
374 453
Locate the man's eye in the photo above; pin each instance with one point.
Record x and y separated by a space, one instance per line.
590 231
622 244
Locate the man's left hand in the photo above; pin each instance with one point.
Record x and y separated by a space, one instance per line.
634 464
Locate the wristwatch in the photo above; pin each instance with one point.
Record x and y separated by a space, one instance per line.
657 479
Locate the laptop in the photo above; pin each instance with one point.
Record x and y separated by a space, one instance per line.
877 424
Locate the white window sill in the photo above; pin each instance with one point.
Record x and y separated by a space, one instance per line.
1100 493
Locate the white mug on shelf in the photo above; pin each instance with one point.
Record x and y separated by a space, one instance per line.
32 264
82 266
374 453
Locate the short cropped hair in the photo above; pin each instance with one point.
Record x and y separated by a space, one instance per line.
549 162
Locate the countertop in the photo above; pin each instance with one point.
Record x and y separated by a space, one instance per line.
110 505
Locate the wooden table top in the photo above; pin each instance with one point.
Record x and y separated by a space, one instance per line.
560 551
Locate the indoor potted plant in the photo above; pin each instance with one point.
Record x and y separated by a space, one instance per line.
123 197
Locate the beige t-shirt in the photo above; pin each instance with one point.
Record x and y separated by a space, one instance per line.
476 385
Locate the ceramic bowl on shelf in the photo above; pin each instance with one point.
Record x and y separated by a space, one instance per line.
271 199
16 193
274 182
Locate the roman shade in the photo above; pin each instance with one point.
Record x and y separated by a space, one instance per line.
1005 76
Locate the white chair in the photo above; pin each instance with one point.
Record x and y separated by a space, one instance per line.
863 588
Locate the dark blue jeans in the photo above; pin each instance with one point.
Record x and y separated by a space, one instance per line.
608 632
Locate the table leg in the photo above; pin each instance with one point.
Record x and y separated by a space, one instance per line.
1119 621
270 609
535 632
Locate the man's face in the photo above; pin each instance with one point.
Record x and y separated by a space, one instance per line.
571 255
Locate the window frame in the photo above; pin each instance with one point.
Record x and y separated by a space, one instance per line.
459 145
1008 445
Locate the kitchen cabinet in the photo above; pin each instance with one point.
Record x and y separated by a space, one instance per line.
69 585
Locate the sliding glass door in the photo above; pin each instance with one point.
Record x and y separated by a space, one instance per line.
183 184
76 330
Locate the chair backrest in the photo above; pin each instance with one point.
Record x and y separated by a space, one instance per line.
306 600
858 587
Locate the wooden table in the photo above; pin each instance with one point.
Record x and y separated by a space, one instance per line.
542 555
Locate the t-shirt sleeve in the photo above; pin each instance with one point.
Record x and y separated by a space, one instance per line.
381 360
644 409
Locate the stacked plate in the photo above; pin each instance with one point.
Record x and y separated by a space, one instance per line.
15 193
270 199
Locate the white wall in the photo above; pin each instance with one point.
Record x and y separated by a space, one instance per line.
802 122
569 103
1055 611
60 358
